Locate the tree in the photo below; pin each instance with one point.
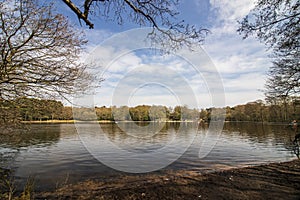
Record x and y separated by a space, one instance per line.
140 113
153 13
39 52
104 113
9 114
176 114
203 114
158 113
121 114
36 109
66 113
277 24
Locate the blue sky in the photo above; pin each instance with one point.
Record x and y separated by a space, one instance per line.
241 64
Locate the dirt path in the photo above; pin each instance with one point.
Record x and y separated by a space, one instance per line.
272 181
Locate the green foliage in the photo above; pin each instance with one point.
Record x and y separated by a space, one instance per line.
104 113
28 109
279 111
176 114
66 113
140 113
147 113
12 112
35 109
258 111
9 114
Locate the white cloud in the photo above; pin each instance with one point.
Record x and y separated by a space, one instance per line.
242 65
245 82
232 9
156 79
228 12
97 36
124 63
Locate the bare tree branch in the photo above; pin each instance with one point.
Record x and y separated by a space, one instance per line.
39 53
79 14
159 14
277 24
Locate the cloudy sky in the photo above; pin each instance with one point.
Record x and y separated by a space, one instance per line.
135 74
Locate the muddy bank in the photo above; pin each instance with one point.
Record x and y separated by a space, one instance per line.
271 181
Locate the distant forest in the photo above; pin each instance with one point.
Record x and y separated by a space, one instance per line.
29 109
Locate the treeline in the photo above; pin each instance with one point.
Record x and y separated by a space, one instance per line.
280 110
138 113
28 109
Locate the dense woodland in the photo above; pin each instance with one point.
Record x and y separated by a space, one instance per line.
30 109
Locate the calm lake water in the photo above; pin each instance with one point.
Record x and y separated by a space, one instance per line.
55 153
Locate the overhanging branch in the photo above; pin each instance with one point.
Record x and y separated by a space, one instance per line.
79 14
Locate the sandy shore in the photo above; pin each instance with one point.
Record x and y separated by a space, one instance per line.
271 181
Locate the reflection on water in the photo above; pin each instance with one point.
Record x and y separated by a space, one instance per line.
150 138
11 145
30 136
142 139
52 153
251 143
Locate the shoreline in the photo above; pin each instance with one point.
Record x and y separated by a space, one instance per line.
279 180
99 121
55 121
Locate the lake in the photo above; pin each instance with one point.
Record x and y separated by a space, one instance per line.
58 153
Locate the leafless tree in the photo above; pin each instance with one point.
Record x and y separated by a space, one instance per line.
39 52
277 24
167 30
